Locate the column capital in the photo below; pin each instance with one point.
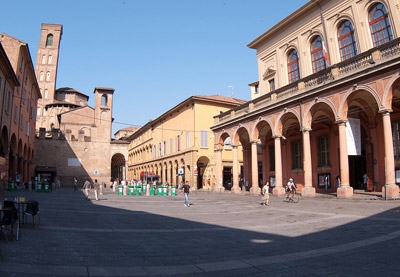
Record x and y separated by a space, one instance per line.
385 111
305 130
341 122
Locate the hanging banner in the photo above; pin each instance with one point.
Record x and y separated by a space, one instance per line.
353 135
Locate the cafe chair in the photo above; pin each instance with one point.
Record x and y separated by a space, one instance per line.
9 221
32 209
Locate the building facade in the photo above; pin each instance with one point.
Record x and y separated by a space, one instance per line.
177 146
18 112
325 105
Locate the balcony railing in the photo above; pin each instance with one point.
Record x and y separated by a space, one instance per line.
368 59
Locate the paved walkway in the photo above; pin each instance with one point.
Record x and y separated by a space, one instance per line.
220 234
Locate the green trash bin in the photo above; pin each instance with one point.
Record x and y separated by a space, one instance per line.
131 190
39 187
120 190
144 188
10 185
159 190
165 190
173 190
46 187
138 189
152 190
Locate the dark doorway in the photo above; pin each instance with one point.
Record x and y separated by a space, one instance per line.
356 171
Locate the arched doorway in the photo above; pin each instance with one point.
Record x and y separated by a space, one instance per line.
204 172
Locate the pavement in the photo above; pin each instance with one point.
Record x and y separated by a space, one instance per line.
220 234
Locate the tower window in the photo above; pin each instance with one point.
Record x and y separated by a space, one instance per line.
49 40
104 100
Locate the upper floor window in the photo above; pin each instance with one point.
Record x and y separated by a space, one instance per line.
50 59
48 76
347 43
293 66
379 25
203 139
271 85
43 59
317 54
49 40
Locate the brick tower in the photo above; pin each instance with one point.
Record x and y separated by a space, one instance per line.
46 71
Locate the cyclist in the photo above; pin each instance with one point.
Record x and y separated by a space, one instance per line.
290 190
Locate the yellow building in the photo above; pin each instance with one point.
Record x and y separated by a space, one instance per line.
179 145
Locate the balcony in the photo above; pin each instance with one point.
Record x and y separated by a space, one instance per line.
371 60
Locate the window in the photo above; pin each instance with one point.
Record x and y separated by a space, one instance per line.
396 140
203 139
46 93
297 159
104 100
271 85
48 76
170 146
49 40
271 150
21 122
8 101
187 140
27 129
23 99
41 76
293 66
317 55
16 114
379 24
50 59
347 43
323 151
43 59
178 143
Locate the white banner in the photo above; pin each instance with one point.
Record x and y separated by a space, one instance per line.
353 134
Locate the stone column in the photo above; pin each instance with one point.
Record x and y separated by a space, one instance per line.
255 189
345 190
390 190
235 170
308 189
278 189
218 170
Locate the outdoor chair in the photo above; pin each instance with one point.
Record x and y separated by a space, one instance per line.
9 222
32 209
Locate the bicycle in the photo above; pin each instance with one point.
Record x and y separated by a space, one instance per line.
289 198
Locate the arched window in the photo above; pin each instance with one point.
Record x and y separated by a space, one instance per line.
49 40
48 76
347 43
50 59
41 76
46 93
293 66
317 54
379 24
43 59
104 100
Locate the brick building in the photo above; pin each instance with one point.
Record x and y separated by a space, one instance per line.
18 115
73 139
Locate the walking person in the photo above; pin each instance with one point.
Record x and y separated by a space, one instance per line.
75 184
87 186
186 191
96 187
265 194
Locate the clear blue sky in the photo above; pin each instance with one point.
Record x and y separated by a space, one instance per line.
154 53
